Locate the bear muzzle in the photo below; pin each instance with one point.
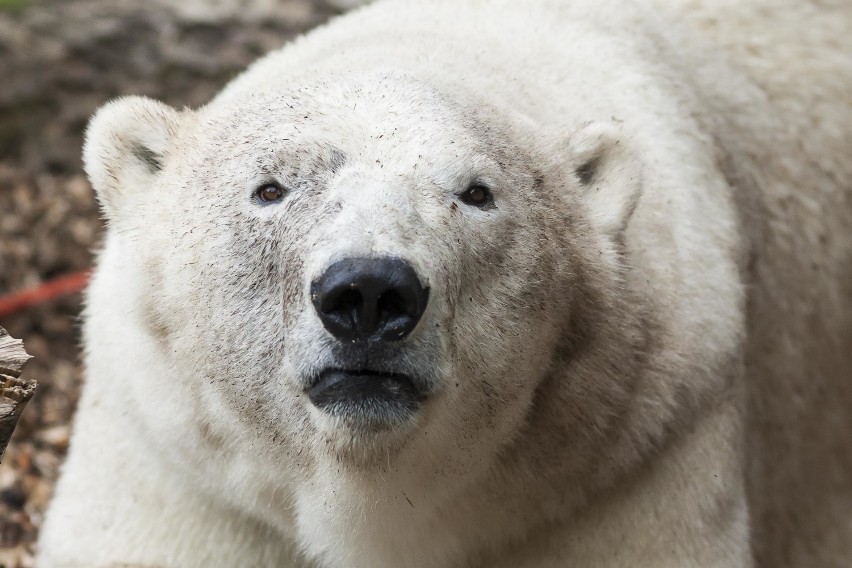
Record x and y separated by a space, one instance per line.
369 306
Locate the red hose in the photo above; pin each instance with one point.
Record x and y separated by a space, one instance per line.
61 286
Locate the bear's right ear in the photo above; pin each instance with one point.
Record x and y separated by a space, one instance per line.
127 143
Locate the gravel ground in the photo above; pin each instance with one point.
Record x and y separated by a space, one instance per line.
59 60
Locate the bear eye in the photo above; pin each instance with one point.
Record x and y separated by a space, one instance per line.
477 195
269 192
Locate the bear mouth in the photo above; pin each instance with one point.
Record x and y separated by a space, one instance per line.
366 398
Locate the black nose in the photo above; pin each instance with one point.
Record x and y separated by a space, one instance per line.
361 299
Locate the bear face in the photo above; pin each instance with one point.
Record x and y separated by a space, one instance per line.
240 213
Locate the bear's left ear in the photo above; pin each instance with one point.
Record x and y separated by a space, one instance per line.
127 144
609 175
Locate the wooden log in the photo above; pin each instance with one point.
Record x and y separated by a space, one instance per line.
15 391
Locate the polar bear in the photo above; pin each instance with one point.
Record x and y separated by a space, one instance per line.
479 283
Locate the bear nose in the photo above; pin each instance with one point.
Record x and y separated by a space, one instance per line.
378 299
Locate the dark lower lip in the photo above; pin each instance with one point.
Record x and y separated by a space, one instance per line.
365 397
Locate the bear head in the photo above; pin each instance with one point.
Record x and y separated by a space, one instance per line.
369 270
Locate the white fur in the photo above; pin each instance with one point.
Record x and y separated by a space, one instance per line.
627 362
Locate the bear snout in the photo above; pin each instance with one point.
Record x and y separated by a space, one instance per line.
369 299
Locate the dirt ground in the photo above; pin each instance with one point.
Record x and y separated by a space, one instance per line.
60 60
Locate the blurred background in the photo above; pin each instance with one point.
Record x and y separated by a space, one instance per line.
59 61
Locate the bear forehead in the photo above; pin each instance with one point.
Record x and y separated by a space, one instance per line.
350 113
